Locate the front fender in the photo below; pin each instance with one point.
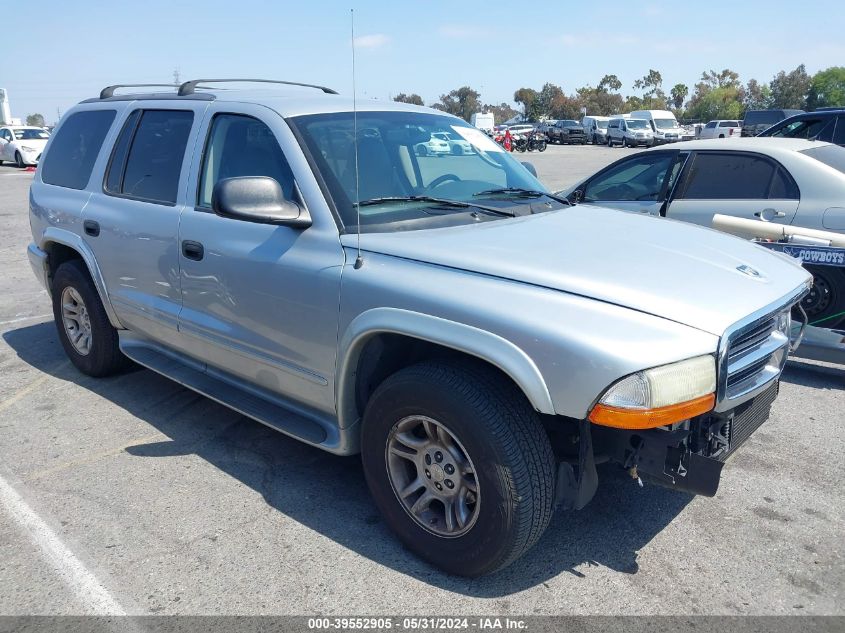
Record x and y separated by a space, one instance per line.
471 340
54 235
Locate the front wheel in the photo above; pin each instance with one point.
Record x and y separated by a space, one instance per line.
19 161
541 146
459 465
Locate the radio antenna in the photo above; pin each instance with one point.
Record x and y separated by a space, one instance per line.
359 261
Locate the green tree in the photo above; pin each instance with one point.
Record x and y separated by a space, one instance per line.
678 93
609 83
716 96
652 87
757 96
789 89
36 120
501 113
409 98
827 88
549 98
462 102
716 103
602 100
528 98
727 78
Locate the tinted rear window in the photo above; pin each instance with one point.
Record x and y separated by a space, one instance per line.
155 157
729 176
75 148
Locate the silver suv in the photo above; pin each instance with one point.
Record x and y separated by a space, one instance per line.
481 343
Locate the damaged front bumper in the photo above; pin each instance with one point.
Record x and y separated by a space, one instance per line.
688 456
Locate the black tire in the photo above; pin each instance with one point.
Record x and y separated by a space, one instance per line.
422 150
505 441
609 141
826 299
541 146
104 357
624 142
19 161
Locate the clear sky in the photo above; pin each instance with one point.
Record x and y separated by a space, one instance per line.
58 52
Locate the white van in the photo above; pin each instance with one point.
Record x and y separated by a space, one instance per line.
484 121
663 124
596 129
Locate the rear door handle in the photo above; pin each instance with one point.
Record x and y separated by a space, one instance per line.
91 227
192 250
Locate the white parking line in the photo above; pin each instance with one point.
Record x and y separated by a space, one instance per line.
26 318
88 590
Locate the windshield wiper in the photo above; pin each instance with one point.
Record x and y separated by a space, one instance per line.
526 193
457 204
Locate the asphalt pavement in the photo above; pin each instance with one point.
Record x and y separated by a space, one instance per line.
134 495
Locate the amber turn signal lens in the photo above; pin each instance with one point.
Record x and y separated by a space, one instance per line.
651 418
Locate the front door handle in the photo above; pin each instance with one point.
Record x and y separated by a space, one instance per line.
91 227
192 250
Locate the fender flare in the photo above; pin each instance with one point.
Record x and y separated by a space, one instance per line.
72 240
482 344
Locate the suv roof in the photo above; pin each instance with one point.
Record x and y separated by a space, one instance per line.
286 97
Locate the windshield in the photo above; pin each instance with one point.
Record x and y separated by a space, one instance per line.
637 124
568 123
804 128
602 124
394 161
665 124
831 155
29 135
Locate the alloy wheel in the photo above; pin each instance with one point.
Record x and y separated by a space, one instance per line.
433 476
76 321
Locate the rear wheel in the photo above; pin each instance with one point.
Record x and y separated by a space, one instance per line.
459 465
89 340
825 303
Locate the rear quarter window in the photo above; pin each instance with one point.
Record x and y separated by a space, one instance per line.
74 149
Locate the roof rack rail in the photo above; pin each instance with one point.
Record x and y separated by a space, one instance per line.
188 87
107 92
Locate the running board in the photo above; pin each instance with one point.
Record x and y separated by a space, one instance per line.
193 376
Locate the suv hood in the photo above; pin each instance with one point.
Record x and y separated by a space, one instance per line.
682 272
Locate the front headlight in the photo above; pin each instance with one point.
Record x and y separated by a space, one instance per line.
659 396
29 149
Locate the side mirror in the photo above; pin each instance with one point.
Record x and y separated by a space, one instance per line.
531 169
576 196
256 199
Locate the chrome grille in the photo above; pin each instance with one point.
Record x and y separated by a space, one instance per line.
752 355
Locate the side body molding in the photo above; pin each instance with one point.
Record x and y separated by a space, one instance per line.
72 240
474 341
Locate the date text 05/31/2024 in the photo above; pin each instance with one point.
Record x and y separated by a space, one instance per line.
416 624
